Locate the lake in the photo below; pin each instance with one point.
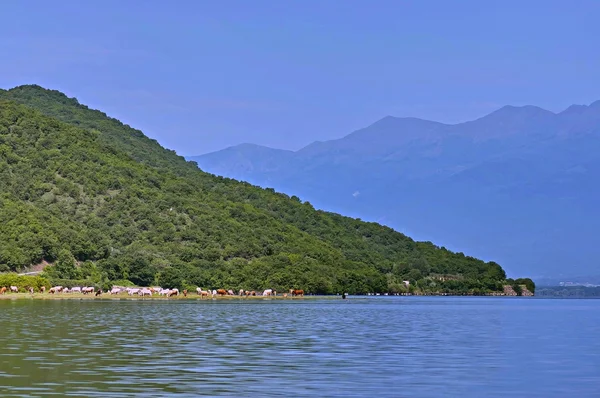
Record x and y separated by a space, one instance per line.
383 346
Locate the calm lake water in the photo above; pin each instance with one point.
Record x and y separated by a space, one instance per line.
383 346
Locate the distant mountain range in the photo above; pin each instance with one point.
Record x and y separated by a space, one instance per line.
518 186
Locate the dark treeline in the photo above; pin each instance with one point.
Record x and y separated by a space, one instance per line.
102 202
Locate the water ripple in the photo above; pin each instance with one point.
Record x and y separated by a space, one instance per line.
389 347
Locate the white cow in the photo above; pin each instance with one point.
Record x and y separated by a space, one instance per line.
131 292
268 292
76 289
145 292
87 289
163 292
115 290
14 289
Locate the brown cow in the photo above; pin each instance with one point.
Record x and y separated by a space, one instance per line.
221 292
184 292
297 292
3 290
98 292
172 293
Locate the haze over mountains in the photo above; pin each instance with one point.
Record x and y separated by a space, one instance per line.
518 186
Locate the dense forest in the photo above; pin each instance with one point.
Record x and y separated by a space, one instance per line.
101 202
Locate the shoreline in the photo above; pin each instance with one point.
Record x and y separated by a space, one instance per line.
106 296
193 297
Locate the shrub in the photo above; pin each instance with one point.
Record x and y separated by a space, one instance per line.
72 283
23 281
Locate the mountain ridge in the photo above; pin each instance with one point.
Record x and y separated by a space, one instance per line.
511 109
509 159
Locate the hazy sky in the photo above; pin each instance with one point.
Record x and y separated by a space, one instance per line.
202 75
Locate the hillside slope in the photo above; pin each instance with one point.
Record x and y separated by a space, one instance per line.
518 185
83 191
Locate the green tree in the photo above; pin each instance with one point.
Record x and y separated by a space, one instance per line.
65 266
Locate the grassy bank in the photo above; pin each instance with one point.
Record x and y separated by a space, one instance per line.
106 296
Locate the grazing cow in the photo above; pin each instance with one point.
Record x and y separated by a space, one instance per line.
58 289
230 292
164 292
3 290
297 292
284 294
173 292
30 289
184 292
221 292
131 292
14 289
43 289
214 292
87 289
241 292
145 292
268 292
76 289
115 290
99 292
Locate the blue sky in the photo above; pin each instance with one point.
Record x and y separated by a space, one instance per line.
202 75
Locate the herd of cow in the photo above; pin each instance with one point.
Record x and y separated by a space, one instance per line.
54 290
150 291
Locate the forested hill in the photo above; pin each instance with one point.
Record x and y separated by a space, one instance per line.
111 131
103 202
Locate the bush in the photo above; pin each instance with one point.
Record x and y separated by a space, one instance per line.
23 281
527 282
123 282
72 283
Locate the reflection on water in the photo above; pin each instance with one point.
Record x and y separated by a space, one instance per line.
391 347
